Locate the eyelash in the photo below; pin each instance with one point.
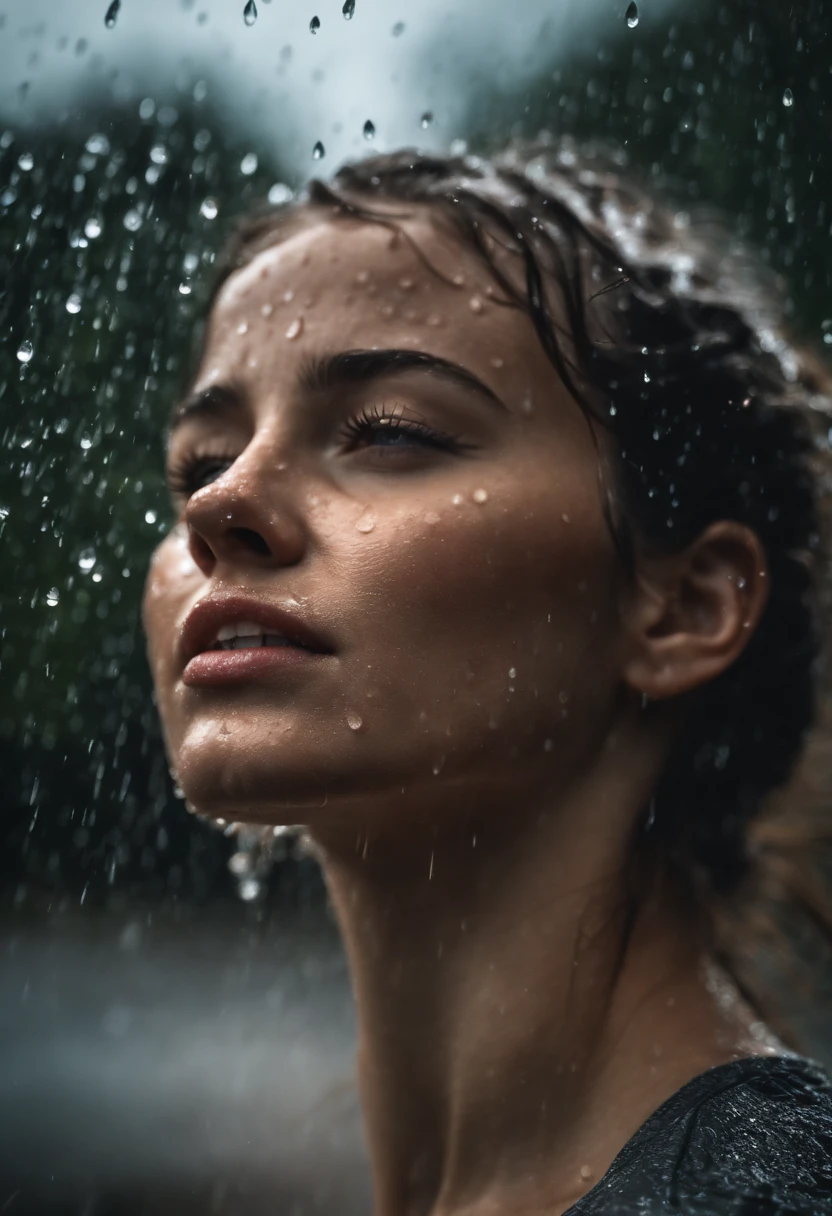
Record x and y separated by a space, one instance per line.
184 476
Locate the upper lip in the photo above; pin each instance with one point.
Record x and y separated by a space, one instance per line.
208 615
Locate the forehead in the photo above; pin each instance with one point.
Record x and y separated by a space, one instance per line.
351 283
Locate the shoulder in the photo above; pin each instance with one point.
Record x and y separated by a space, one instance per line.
752 1138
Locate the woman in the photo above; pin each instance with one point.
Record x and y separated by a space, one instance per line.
496 567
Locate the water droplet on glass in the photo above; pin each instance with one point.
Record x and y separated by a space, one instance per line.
426 119
25 352
93 227
788 97
250 13
314 25
366 523
52 597
632 15
209 208
318 151
348 10
295 329
86 559
354 720
369 129
480 496
112 13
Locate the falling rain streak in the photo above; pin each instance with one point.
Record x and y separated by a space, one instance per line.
250 13
112 14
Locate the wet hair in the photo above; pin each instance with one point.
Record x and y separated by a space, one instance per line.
671 341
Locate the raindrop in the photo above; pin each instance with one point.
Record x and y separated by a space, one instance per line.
112 13
93 227
25 352
480 496
73 304
369 129
826 329
366 523
318 151
426 119
249 888
150 517
184 289
788 97
98 145
250 13
354 720
398 29
26 161
632 15
132 220
295 329
248 164
52 597
209 208
279 193
314 25
86 559
348 10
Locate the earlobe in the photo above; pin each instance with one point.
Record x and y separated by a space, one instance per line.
693 613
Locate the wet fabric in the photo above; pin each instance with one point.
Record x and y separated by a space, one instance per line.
751 1138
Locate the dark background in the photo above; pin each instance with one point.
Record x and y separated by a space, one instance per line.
126 940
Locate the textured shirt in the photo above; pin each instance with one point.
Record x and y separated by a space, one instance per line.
750 1138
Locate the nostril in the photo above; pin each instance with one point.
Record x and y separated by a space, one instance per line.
251 540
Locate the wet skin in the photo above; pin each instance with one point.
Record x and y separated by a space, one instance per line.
446 538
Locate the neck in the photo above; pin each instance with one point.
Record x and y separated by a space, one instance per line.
521 1012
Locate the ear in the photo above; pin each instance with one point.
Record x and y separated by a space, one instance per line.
692 613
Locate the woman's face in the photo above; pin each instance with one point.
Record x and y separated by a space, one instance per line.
427 522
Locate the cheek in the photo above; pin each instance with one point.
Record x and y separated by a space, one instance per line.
171 581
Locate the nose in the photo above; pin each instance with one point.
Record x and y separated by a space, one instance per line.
244 519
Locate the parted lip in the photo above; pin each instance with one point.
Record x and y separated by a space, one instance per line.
210 614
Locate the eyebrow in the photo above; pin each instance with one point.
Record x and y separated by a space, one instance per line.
346 368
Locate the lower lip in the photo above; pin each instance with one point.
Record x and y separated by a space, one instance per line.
237 666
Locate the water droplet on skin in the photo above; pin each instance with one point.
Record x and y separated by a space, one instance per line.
457 500
434 320
475 304
788 97
369 129
112 14
548 745
458 280
565 518
480 496
406 284
318 151
295 329
366 523
354 720
250 13
348 10
586 1172
314 25
426 119
362 277
266 310
497 361
632 15
25 352
242 328
512 673
432 517
288 296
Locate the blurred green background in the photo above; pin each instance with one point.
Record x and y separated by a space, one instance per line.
120 179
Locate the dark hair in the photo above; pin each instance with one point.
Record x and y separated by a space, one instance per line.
671 340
